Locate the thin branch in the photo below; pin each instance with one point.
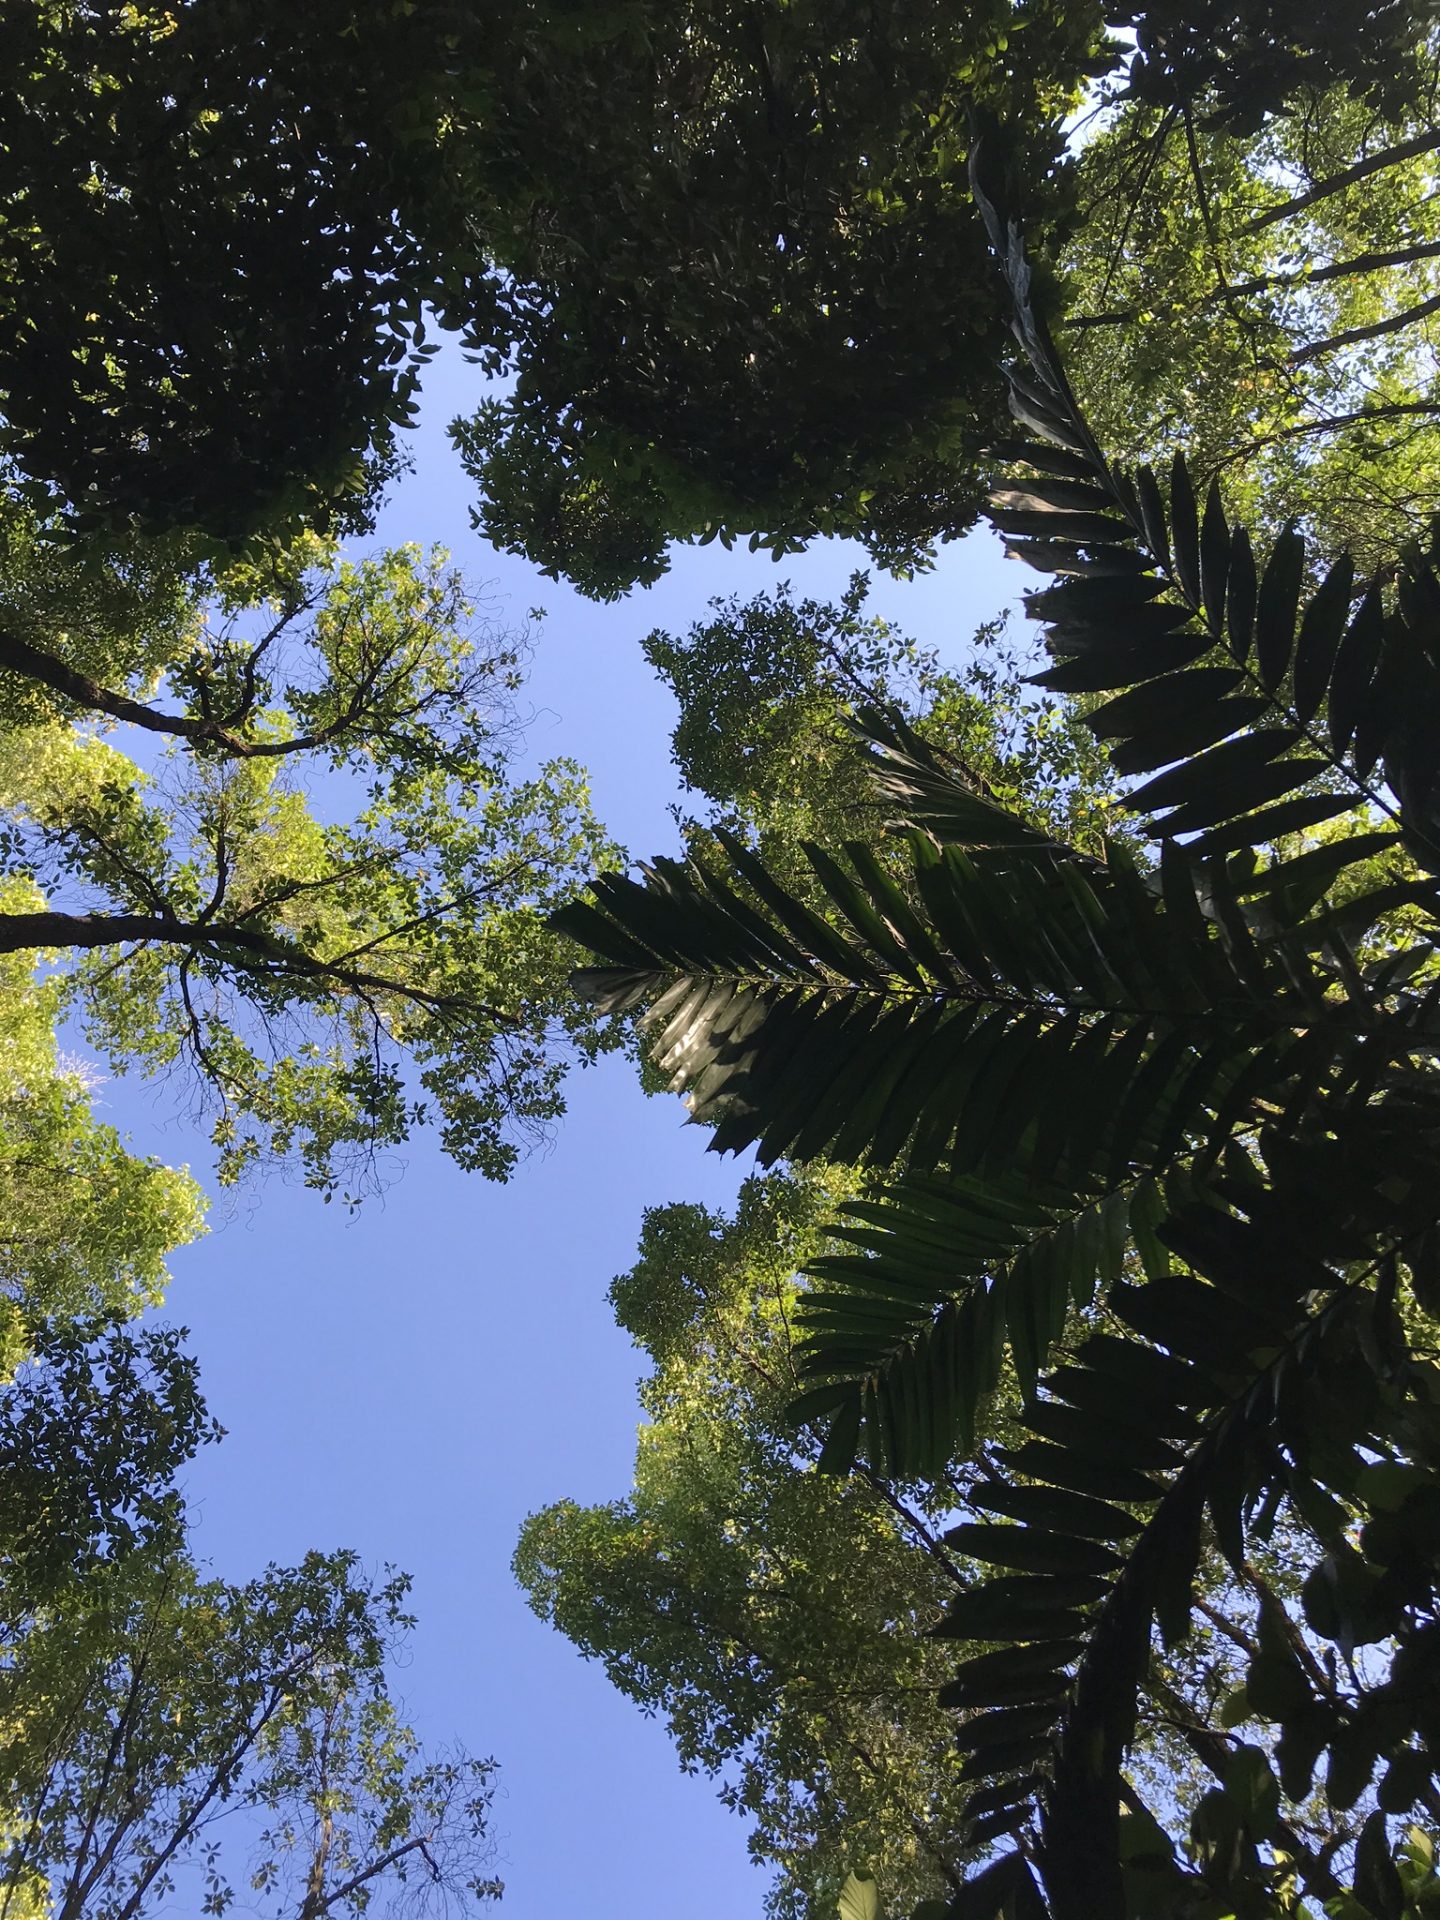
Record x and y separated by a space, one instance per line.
1375 331
1359 263
81 1881
912 1520
1337 182
1331 423
1211 1750
313 1907
1161 135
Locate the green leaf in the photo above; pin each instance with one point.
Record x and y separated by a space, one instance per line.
1378 1886
1351 1765
837 1455
1152 513
1061 1512
1185 530
1107 1480
1214 560
1406 1780
1318 865
1271 823
1187 733
1355 666
1047 493
1021 1608
1046 459
1012 1677
1028 1550
1245 789
1161 701
1219 780
860 1898
1100 1439
1104 668
1049 524
1321 626
1253 1789
1240 596
1276 607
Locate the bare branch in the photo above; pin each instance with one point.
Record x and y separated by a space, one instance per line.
1356 265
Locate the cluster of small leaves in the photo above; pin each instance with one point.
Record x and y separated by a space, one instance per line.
94 1425
88 1225
223 223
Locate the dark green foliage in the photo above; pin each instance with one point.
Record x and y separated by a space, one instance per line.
1174 1119
755 305
1244 59
93 1429
205 302
221 226
1052 1032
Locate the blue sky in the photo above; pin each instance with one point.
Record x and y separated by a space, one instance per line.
415 1381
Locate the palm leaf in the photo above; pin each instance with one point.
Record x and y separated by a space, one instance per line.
1106 1518
973 1006
1302 697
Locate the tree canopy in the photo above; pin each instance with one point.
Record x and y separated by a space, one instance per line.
1084 1320
1268 298
135 1723
754 304
256 201
325 879
753 1607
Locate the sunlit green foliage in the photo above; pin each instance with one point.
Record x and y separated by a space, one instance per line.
1267 299
324 896
157 1723
767 689
751 1605
87 1225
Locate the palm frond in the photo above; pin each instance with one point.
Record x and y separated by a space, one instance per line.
1142 1445
1002 1009
1264 695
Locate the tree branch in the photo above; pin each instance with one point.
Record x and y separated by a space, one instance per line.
17 656
1331 423
1393 324
314 1907
1211 1751
1359 263
22 931
1337 182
